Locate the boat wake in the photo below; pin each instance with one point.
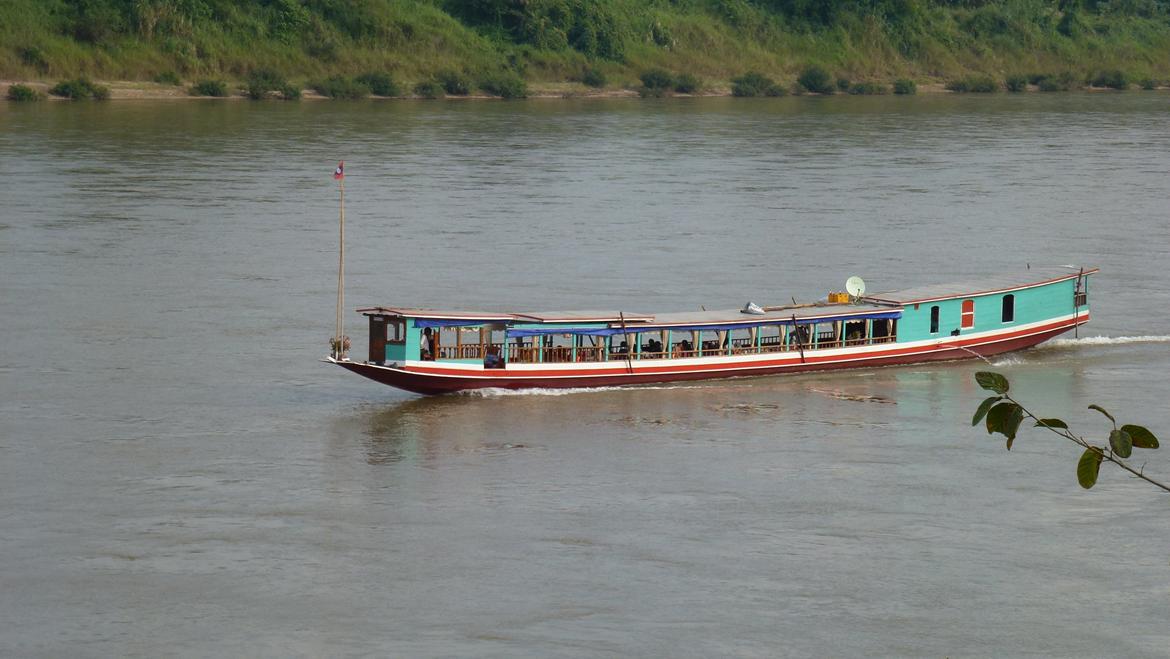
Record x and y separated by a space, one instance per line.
860 398
1101 341
497 392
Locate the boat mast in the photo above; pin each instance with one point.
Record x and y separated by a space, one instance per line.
340 341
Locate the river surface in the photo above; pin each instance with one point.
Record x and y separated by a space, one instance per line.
181 476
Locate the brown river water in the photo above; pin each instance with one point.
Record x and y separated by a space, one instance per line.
180 476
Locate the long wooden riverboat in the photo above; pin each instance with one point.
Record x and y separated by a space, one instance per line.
432 351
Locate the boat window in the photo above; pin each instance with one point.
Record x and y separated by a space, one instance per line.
708 343
855 333
742 341
934 320
458 343
557 348
827 335
885 331
590 348
771 338
653 345
968 318
1009 308
395 330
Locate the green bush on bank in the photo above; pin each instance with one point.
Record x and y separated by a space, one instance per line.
290 92
454 83
844 84
505 85
816 80
80 89
430 89
23 94
867 89
905 87
593 77
340 87
1114 79
754 83
168 78
1061 82
685 83
380 84
261 83
34 57
978 84
1016 83
215 88
1148 84
657 79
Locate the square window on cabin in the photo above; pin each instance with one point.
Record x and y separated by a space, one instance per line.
934 320
396 331
1009 308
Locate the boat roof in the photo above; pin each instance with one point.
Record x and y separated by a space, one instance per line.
614 318
1000 283
877 303
777 314
585 316
588 316
438 314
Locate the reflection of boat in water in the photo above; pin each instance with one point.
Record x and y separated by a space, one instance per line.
431 351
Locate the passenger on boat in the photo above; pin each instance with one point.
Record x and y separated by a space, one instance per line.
855 335
653 346
799 335
492 359
682 349
427 345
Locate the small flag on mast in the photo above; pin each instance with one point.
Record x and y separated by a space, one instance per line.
339 173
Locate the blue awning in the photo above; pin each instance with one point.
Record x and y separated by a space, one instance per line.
458 322
583 331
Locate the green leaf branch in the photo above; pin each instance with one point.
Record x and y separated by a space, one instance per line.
1003 414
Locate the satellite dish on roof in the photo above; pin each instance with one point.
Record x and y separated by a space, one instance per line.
855 286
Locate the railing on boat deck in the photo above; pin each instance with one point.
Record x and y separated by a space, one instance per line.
466 351
529 354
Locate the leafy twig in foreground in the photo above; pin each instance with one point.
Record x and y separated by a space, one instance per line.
1003 414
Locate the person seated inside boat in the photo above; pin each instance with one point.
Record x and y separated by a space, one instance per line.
799 335
426 345
622 350
653 346
856 333
492 358
682 349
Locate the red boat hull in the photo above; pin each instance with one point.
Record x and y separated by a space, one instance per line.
433 379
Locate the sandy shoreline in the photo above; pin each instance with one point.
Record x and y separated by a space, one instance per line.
123 90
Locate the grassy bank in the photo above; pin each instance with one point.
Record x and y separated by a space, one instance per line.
614 42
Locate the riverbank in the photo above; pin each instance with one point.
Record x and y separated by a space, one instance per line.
560 47
126 90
